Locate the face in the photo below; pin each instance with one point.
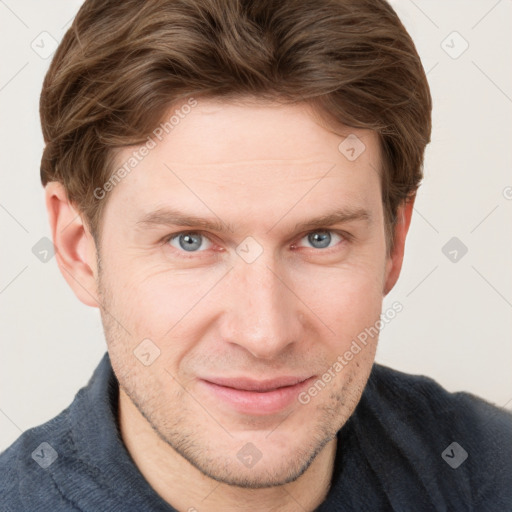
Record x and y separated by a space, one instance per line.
228 331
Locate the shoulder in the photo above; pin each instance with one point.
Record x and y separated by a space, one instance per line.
27 468
417 398
459 444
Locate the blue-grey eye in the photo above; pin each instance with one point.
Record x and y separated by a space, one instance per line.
189 242
321 239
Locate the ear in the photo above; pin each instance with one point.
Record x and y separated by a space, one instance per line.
75 249
395 259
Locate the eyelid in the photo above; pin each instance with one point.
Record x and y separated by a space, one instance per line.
345 237
187 254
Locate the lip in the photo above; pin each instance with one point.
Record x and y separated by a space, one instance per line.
256 397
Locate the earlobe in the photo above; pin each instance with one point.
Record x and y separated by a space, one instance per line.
395 259
75 250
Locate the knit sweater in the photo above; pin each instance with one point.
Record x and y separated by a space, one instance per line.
410 445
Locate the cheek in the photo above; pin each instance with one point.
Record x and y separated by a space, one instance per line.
347 299
158 302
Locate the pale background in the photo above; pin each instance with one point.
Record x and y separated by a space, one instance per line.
456 322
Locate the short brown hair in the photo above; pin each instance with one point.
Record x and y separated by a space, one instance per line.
122 65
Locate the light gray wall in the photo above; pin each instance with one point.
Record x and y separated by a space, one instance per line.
456 320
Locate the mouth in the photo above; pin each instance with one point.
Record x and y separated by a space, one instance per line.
256 397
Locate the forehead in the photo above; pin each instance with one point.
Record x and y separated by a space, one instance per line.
252 155
251 129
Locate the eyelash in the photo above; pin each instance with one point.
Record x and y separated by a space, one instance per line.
346 237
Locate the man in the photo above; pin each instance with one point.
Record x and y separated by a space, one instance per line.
231 183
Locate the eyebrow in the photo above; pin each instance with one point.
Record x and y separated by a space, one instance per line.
341 215
172 217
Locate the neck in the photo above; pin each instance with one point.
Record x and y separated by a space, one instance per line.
187 489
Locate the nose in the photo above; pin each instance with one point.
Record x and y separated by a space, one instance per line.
263 314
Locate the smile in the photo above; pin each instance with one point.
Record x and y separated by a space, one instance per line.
259 398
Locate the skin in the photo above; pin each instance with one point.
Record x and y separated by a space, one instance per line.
262 168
